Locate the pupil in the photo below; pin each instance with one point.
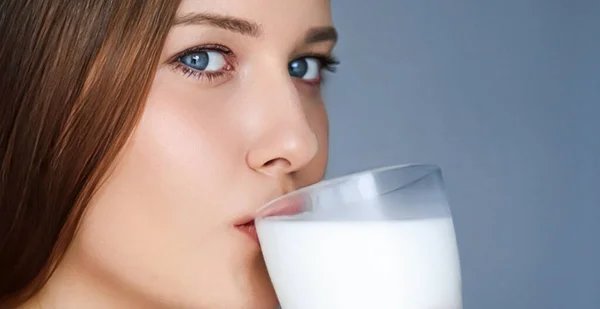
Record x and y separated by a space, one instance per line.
198 61
298 68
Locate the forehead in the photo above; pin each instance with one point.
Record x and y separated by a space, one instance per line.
269 14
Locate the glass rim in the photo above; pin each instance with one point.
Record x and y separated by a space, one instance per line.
432 168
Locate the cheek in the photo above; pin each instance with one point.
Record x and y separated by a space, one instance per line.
321 127
164 169
319 122
161 209
153 202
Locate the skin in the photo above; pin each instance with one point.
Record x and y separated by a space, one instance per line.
207 153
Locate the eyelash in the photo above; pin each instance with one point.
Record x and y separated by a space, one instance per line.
327 62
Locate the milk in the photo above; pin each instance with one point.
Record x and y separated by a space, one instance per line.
404 264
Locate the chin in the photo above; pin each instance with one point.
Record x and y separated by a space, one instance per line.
255 298
238 281
267 303
263 298
267 299
260 292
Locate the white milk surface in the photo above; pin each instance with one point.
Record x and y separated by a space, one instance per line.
409 264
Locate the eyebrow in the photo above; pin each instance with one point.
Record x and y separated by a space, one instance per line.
321 34
245 27
225 22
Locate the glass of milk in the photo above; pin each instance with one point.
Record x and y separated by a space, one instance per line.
380 239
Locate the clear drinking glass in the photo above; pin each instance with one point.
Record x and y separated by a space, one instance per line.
381 239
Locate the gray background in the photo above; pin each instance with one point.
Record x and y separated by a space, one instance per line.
505 97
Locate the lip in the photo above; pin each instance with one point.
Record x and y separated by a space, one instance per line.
248 228
285 207
289 206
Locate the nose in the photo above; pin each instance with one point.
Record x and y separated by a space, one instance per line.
283 141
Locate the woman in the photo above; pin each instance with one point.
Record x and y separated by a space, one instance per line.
139 137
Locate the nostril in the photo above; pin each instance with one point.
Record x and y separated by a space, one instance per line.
277 163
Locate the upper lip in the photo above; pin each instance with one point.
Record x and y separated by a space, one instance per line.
288 206
245 220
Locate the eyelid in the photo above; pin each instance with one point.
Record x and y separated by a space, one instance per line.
203 48
203 76
328 58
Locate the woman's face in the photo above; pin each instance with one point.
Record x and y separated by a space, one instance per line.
234 119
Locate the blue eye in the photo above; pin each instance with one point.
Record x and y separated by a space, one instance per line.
204 61
305 68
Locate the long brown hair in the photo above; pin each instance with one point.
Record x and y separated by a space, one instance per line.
74 75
